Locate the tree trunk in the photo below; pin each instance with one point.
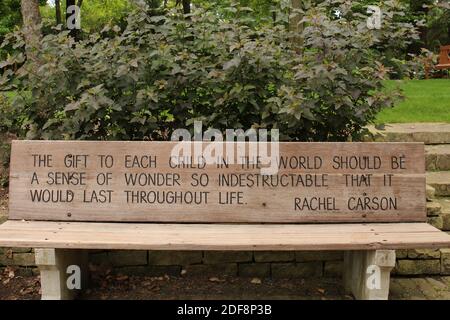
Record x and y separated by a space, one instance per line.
58 12
31 26
187 6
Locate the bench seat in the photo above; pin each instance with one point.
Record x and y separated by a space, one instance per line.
443 66
146 236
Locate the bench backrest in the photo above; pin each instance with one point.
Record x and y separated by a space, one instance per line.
154 182
444 56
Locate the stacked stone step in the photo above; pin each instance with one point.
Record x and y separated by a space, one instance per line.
438 211
436 137
427 261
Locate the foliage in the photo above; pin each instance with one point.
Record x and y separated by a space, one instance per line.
10 124
10 121
9 18
438 33
95 14
164 72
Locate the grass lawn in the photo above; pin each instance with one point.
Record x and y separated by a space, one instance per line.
425 101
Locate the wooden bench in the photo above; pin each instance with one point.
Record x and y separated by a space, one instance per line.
366 199
444 58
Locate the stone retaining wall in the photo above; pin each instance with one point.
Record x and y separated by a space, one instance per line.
242 263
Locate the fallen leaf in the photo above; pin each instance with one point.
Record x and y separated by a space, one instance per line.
25 291
11 273
122 278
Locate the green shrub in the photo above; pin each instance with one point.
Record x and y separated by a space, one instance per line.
9 127
163 72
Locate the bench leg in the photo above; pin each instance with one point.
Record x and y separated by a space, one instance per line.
367 273
54 268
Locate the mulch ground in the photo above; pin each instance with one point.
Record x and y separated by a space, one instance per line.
17 287
202 288
119 287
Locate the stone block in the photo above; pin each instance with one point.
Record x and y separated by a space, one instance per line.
445 261
418 267
259 270
401 254
274 256
446 221
297 270
443 162
167 258
6 260
23 259
436 222
119 258
149 271
218 270
216 257
304 256
433 209
424 254
100 258
333 269
430 162
430 192
21 250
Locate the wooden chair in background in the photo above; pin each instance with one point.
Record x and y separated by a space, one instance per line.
444 58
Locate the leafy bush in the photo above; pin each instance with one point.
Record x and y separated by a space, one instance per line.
9 122
165 71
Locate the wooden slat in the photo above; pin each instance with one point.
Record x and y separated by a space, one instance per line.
78 235
258 204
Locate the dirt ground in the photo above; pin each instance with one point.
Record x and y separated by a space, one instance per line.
16 287
202 288
120 287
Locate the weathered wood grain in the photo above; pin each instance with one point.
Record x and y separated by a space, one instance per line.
268 204
93 235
